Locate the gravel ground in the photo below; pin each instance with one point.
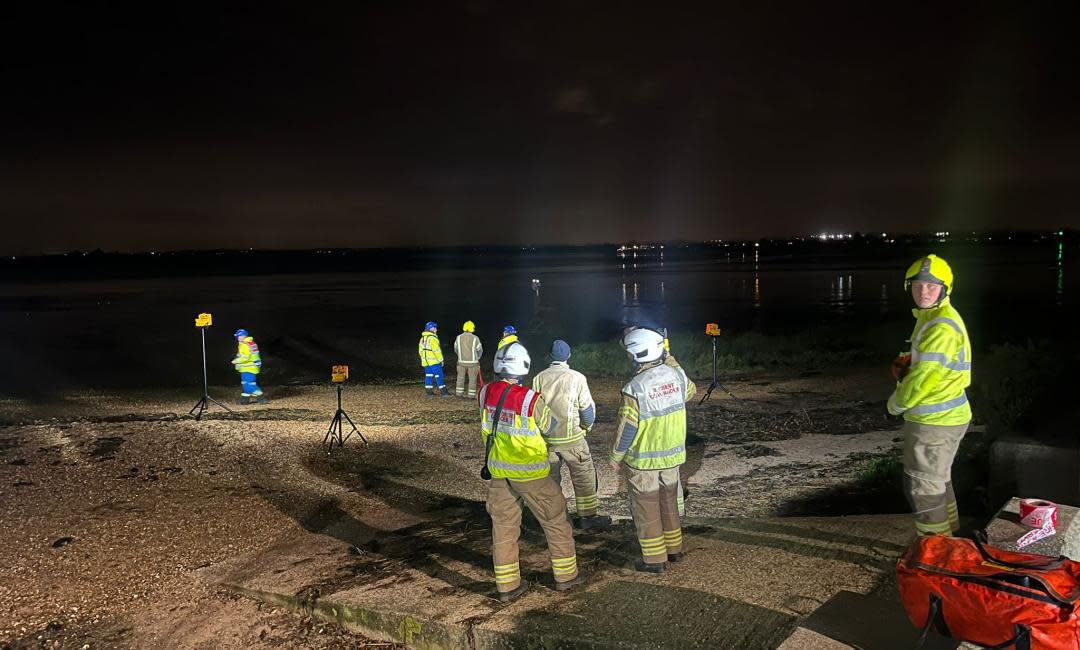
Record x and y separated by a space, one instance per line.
111 501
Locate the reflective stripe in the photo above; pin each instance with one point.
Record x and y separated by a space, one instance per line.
526 467
564 565
663 453
938 357
526 403
923 409
940 319
662 412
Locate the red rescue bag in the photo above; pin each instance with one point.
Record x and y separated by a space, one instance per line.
995 598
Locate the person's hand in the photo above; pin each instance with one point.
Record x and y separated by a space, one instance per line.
892 407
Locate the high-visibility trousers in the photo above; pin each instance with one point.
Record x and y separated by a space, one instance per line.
654 496
545 500
929 451
579 461
473 374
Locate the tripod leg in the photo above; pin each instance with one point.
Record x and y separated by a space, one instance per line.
707 393
201 406
356 430
220 404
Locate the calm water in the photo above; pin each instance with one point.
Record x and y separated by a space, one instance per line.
140 332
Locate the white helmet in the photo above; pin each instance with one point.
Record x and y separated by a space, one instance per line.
512 360
644 345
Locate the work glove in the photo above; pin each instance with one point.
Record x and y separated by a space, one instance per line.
901 366
892 407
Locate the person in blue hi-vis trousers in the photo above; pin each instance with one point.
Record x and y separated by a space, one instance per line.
431 358
247 363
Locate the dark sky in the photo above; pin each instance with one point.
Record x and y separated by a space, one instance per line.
180 125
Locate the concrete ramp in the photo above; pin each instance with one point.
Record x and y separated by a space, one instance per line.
743 584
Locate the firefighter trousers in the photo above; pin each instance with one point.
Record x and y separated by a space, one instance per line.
473 374
654 496
545 500
579 461
929 451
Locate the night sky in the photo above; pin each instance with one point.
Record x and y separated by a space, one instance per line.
179 125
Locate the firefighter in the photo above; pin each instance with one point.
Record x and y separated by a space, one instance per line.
931 397
509 335
431 358
669 360
650 445
247 362
517 459
566 392
468 350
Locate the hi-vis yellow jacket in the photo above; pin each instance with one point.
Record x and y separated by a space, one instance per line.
430 350
518 451
506 340
933 390
651 433
247 358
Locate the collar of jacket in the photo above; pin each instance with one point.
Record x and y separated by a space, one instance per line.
642 367
559 364
427 333
918 311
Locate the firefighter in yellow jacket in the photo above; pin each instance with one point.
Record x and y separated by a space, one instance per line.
650 445
566 391
516 466
431 358
930 395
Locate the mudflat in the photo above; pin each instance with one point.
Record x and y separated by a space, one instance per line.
114 501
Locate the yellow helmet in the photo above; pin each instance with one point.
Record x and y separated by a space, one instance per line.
469 326
930 269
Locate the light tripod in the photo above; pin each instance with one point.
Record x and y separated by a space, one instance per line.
715 382
336 432
204 403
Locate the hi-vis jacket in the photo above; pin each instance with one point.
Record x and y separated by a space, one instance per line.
468 349
567 394
652 419
247 356
933 390
506 340
518 451
430 350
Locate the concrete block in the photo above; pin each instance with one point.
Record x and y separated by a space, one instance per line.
1005 529
1047 468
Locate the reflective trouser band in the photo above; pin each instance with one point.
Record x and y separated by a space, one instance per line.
942 528
924 409
673 537
507 573
587 503
564 566
954 514
653 546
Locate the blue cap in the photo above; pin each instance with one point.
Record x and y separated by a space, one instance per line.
240 333
560 350
431 325
509 329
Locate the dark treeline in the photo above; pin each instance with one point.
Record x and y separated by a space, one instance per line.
90 265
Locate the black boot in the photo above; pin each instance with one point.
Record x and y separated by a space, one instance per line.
595 521
429 392
674 557
445 393
645 567
570 584
508 596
